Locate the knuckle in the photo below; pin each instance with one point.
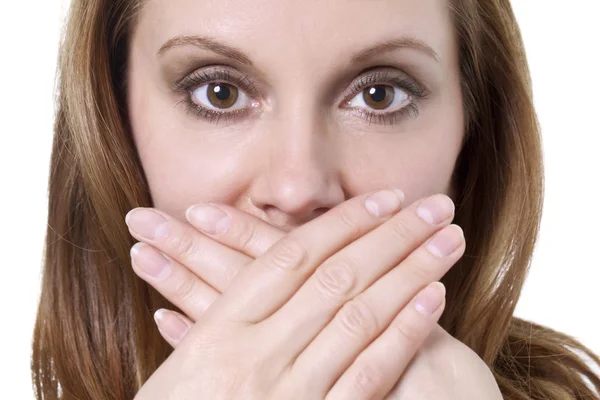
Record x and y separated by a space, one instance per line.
349 220
422 271
410 334
357 319
335 278
368 379
183 289
289 254
184 246
243 233
230 272
401 229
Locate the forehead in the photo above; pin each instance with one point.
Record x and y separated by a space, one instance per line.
299 31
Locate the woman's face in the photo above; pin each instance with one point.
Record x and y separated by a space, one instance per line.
285 108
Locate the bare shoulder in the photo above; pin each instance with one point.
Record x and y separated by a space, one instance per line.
446 369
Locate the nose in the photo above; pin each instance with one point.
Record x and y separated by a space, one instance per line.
301 178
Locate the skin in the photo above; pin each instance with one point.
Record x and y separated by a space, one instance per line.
300 153
279 317
442 367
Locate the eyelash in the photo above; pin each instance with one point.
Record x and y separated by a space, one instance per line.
199 78
414 91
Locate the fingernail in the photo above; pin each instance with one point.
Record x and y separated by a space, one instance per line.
436 209
147 223
430 299
170 324
384 203
208 218
446 241
150 261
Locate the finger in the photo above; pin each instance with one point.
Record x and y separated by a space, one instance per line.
173 280
364 318
234 228
389 265
214 263
272 279
172 325
376 370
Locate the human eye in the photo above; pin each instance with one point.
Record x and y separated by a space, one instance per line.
217 94
385 90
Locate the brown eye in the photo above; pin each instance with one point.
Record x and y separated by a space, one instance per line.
378 97
222 95
381 97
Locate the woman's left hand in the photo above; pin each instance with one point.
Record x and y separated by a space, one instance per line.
204 264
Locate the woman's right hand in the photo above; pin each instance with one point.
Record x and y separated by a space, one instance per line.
264 336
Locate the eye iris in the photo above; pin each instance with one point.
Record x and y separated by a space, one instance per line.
379 96
222 95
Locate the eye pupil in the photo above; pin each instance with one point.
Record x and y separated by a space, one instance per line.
222 92
379 96
222 95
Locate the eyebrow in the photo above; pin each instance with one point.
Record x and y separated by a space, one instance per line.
207 44
393 44
238 55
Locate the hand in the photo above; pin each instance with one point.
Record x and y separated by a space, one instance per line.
244 302
203 265
443 365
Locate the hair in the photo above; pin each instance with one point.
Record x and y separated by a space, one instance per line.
95 337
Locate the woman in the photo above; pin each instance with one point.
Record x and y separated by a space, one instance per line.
165 104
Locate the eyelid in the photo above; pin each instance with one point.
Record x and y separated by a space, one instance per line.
409 99
217 73
383 76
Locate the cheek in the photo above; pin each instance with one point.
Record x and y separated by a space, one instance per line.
419 163
181 175
426 168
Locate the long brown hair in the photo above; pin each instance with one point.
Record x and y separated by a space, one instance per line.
95 337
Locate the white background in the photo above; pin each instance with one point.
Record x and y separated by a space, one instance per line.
562 292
